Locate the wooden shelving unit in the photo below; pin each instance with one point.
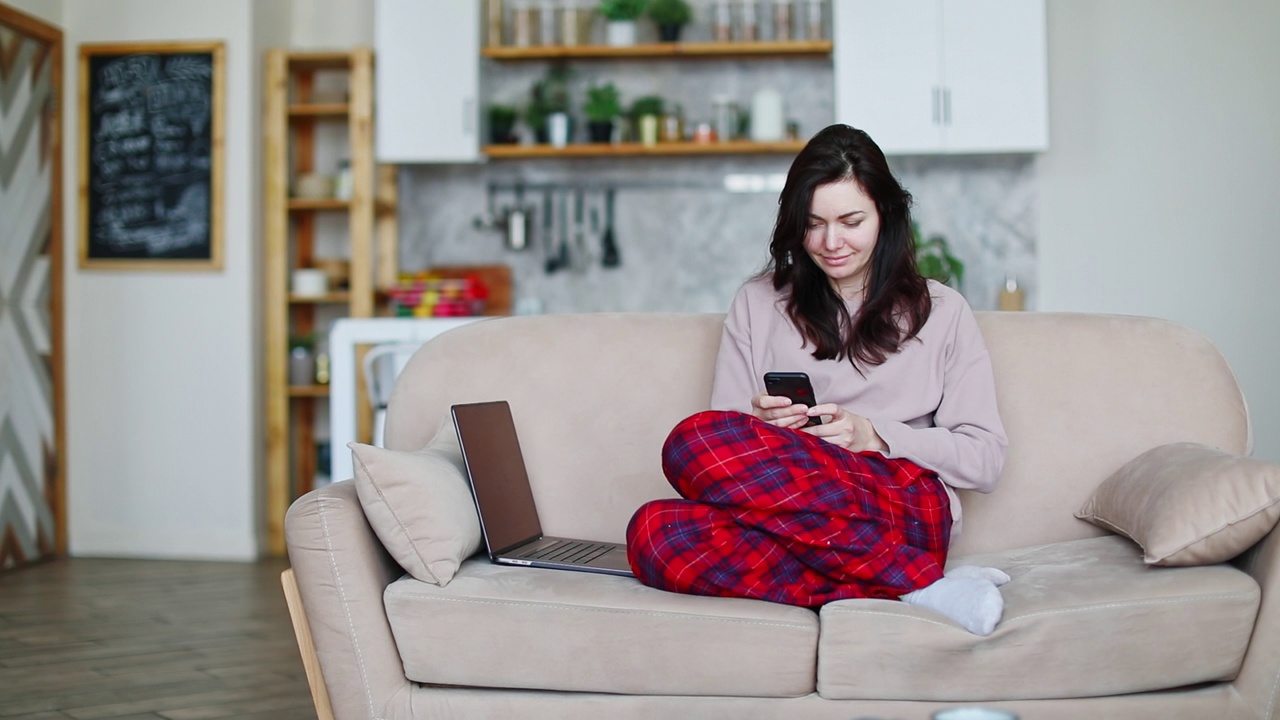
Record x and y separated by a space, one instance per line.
680 51
292 115
658 52
735 147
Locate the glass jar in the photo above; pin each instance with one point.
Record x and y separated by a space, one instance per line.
782 20
521 23
748 25
814 20
547 23
723 27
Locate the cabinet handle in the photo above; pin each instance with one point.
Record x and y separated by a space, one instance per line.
936 113
469 116
946 106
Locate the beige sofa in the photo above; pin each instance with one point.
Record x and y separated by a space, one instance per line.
1089 629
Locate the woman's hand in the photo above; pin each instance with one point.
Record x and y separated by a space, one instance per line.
780 411
849 431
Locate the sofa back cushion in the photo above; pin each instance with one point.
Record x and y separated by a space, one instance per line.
594 397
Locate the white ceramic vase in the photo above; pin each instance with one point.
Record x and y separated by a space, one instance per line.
620 33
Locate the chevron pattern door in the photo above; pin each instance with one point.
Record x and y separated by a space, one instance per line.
31 435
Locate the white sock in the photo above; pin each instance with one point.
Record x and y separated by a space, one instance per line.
973 602
995 575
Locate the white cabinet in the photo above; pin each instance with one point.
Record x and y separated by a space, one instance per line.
943 76
427 81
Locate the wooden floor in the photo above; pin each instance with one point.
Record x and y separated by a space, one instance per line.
134 639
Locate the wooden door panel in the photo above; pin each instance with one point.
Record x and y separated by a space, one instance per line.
31 434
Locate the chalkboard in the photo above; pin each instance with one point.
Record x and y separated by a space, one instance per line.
151 156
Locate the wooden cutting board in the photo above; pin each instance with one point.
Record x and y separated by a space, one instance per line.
495 277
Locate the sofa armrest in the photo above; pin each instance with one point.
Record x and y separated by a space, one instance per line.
1259 680
342 571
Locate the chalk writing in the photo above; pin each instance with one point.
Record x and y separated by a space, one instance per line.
150 151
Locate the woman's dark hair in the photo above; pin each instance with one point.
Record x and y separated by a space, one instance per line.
896 303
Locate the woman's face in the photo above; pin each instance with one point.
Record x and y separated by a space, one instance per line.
841 235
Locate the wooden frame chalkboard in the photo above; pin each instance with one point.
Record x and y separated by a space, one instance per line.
151 156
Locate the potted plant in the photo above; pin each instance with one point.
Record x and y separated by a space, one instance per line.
602 106
645 113
620 20
502 124
934 259
549 96
670 16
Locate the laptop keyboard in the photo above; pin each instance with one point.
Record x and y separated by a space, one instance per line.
567 551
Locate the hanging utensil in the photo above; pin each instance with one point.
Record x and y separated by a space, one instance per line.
489 219
562 255
548 239
608 243
519 222
579 233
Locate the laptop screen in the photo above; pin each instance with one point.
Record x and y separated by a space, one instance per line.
499 482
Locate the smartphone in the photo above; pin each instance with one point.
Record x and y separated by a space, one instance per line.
794 386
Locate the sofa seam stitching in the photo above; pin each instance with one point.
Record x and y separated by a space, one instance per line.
1271 702
1130 603
623 611
856 611
346 607
1053 612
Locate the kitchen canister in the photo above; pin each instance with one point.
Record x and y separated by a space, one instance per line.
767 121
310 282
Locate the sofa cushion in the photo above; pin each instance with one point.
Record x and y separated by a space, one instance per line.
1103 621
498 626
419 504
1188 504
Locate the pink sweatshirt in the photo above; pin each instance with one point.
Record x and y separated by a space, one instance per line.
933 402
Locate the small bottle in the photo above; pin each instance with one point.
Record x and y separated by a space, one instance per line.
494 25
815 20
521 24
322 368
724 21
782 20
724 115
342 182
1012 297
672 129
748 28
301 366
548 23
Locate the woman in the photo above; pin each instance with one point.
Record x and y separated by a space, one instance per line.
861 505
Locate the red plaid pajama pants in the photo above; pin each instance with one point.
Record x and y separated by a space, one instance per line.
780 515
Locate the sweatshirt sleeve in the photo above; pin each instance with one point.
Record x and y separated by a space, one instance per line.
967 444
734 383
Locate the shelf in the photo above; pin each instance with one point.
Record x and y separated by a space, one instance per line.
295 108
308 391
338 297
684 51
319 60
300 205
733 147
312 110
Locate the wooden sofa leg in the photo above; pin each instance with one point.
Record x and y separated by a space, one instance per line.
301 630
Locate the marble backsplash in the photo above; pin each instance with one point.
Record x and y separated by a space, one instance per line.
685 242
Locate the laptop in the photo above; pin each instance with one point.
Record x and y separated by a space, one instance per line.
504 499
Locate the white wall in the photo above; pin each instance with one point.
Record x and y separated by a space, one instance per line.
1159 194
333 24
49 11
162 367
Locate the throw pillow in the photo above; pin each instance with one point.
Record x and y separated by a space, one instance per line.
1188 504
419 504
